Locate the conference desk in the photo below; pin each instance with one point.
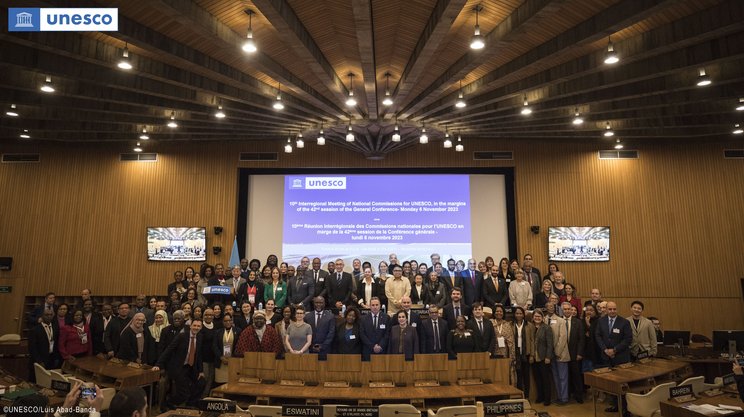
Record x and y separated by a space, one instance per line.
671 408
704 359
111 374
638 378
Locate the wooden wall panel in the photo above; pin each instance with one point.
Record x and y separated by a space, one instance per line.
77 219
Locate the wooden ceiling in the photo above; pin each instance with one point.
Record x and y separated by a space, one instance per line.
187 59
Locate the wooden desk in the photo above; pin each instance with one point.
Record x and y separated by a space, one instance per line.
637 379
109 374
675 409
14 357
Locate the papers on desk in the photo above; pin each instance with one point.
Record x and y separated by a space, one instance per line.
712 410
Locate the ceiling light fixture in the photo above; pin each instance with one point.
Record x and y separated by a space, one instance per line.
396 132
477 42
608 131
278 105
124 62
618 144
737 130
460 103
300 142
47 86
577 120
526 107
288 146
13 112
424 138
740 107
611 56
447 140
144 135
249 46
703 79
321 139
25 134
350 135
219 114
459 147
351 102
172 122
387 101
137 148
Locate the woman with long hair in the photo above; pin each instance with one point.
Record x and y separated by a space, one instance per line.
524 333
276 289
540 357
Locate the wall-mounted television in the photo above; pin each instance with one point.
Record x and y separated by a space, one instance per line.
176 244
579 244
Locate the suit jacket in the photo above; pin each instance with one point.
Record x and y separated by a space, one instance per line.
304 293
619 338
576 342
113 333
324 332
149 314
487 339
410 341
543 347
644 337
426 336
320 284
218 344
339 290
451 279
128 347
560 338
350 346
230 282
96 331
33 318
378 290
438 295
528 340
449 313
167 335
472 290
492 296
174 355
371 335
419 298
38 346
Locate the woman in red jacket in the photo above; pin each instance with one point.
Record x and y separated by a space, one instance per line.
75 340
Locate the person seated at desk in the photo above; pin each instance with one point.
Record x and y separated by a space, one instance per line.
258 337
75 340
298 335
644 333
462 339
403 338
348 339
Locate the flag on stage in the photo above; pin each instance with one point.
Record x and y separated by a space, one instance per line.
234 255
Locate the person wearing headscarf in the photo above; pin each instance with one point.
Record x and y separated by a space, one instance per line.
156 329
135 342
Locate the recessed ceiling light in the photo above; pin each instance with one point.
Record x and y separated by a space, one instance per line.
12 112
47 86
737 129
703 78
25 134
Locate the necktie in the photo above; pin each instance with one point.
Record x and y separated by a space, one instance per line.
408 316
472 276
374 321
496 283
457 312
338 277
568 329
316 277
192 351
436 335
317 318
612 323
480 326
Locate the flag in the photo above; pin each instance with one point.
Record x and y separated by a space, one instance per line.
234 255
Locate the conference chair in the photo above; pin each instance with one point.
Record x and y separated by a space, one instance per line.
398 410
646 405
699 385
265 410
43 377
108 395
58 376
717 382
455 411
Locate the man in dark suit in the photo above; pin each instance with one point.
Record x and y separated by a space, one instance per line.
140 306
613 340
486 334
455 308
228 333
182 360
323 324
575 351
414 319
472 283
433 333
94 321
319 277
42 343
494 289
339 286
451 278
169 333
35 317
373 330
300 291
113 331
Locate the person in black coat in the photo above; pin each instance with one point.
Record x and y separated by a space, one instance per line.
49 304
374 333
319 277
251 291
300 291
348 339
403 338
461 339
136 343
42 343
576 345
419 290
613 338
113 331
323 324
169 333
433 340
495 290
456 305
220 349
472 283
182 360
339 287
94 320
376 289
483 328
207 353
414 318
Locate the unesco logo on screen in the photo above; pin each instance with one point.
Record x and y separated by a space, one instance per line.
28 19
325 183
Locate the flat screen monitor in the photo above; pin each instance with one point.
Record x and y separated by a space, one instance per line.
672 337
721 339
176 244
579 244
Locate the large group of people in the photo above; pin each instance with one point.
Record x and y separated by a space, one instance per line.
507 309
